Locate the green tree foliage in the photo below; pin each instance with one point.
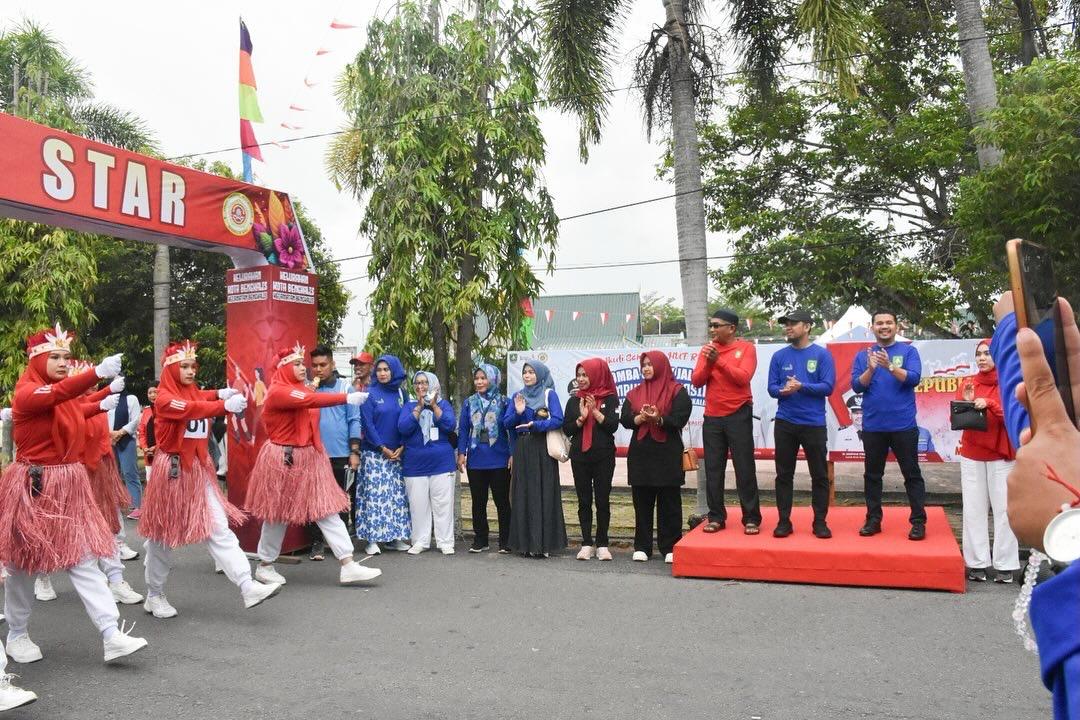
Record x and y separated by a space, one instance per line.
445 145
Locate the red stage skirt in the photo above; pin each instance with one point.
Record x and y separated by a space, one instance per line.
110 493
55 529
298 495
175 511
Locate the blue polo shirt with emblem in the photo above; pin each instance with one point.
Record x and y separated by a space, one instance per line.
813 367
888 404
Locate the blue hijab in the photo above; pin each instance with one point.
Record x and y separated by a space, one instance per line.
536 395
485 408
389 390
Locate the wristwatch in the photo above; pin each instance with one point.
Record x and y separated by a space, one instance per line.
1061 539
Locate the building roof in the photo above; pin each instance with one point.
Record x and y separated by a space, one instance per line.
587 321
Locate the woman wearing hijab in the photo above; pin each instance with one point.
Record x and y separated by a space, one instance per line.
48 519
428 464
591 419
537 527
656 412
484 452
986 457
183 504
292 482
382 507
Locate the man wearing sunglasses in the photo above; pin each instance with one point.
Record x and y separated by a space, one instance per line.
725 367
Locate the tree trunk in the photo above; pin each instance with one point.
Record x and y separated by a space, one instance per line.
1028 47
441 348
979 82
162 295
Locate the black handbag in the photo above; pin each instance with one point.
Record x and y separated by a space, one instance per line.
963 415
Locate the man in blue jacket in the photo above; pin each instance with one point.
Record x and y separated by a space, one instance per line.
886 376
801 377
339 427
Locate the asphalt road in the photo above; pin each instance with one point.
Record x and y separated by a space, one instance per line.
491 636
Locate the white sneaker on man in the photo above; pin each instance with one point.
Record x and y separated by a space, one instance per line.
639 556
354 572
267 574
159 607
23 650
124 593
669 558
126 552
602 553
259 592
585 552
372 549
400 546
11 696
121 644
43 589
416 549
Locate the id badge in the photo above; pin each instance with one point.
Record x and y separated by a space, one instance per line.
433 433
483 435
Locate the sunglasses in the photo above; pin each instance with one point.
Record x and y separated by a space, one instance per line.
720 325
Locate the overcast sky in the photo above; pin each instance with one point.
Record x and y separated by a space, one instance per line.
175 65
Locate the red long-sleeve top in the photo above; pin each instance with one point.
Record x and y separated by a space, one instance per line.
726 379
291 413
33 412
993 442
180 424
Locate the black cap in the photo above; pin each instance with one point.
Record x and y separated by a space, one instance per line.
854 402
797 316
726 316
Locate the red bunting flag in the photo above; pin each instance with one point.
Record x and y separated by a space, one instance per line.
749 323
575 315
297 108
548 314
603 318
527 308
338 25
322 51
628 316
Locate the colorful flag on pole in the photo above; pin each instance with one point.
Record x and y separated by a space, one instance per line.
525 331
603 318
548 314
249 104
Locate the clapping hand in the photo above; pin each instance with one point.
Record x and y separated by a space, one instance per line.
710 352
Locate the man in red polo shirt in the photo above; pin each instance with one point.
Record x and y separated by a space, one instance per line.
725 367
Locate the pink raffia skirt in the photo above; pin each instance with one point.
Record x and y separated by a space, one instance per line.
176 511
300 494
55 529
110 493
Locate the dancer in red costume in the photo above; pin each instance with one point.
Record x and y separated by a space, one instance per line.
48 519
292 482
183 503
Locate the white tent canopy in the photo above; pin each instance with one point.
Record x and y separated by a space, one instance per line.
853 326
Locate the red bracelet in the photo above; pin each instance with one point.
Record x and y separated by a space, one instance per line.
1053 476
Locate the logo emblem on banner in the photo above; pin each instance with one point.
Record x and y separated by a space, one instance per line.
811 365
238 214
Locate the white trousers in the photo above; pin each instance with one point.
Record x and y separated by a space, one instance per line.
113 566
983 485
223 546
431 497
333 530
89 582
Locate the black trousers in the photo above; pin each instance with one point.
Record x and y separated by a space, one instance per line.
666 502
339 465
905 446
592 480
498 481
734 432
789 437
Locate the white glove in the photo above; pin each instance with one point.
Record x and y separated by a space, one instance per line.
236 404
109 403
117 385
5 415
109 367
226 393
356 398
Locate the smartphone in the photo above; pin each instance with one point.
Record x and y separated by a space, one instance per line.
1035 299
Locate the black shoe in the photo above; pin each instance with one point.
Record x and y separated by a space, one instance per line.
783 529
918 532
976 574
872 527
318 551
479 548
821 530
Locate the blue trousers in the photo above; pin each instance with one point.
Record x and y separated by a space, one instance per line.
129 470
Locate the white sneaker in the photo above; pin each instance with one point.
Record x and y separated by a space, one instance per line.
602 553
259 592
448 550
126 552
11 696
43 589
640 556
218 569
372 549
399 545
124 593
669 558
121 644
267 574
354 573
23 650
585 552
416 549
159 607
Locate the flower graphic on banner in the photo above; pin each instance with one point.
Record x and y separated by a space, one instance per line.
277 234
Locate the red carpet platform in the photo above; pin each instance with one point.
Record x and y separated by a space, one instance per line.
885 560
